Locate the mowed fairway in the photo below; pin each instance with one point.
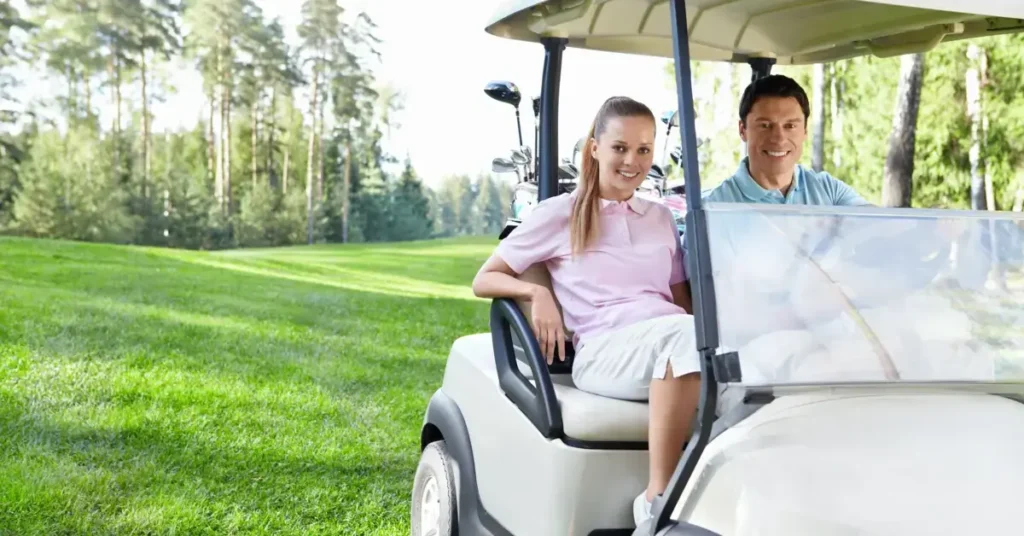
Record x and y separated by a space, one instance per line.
280 391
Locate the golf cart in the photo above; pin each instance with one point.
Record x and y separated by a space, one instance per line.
857 378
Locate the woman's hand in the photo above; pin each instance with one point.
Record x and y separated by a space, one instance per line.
547 324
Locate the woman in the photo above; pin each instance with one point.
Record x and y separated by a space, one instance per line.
616 268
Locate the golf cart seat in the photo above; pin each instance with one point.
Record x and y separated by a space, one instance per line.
574 416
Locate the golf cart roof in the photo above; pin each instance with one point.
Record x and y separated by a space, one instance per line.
793 33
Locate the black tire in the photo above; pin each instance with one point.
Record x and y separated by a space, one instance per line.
437 470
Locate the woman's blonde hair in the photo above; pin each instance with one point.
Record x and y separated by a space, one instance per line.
583 224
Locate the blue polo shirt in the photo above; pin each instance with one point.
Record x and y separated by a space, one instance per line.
809 188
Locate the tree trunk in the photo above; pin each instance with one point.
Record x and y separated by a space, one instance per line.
837 116
254 139
219 144
311 154
116 122
284 172
1018 197
117 115
146 149
117 96
974 111
72 110
345 189
221 152
211 149
88 96
897 183
269 164
227 147
320 156
818 119
982 196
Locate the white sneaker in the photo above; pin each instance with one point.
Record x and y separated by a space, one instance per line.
641 508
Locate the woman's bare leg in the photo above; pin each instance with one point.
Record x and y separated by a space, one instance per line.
673 405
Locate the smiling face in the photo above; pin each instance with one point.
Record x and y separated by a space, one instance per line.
624 153
774 132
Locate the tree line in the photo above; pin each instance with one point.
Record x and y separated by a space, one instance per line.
287 150
288 146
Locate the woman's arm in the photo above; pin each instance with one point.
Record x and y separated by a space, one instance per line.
496 279
681 296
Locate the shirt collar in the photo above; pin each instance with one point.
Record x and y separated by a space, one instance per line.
636 203
754 191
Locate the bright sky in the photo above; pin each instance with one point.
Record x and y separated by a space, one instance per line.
449 125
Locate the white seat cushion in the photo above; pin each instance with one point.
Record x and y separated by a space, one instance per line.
592 417
585 416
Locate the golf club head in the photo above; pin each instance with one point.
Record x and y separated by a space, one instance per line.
527 152
503 165
519 157
567 172
504 91
536 106
670 117
677 155
656 172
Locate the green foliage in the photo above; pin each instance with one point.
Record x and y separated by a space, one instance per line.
411 213
117 181
69 191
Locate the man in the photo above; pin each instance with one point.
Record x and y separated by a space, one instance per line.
773 124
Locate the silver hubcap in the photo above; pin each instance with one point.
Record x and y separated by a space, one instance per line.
430 509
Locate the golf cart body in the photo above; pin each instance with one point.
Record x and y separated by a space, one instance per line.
877 400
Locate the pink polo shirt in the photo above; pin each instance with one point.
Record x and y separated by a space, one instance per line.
622 278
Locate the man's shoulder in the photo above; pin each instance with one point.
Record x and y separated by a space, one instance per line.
829 186
726 191
812 176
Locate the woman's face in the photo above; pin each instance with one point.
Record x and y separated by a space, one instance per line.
624 154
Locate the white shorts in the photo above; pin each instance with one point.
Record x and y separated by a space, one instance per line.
621 363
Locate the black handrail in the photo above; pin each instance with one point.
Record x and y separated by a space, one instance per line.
539 402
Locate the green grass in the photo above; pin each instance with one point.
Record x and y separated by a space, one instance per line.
280 391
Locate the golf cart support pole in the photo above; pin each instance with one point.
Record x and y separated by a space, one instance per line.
760 68
547 184
705 315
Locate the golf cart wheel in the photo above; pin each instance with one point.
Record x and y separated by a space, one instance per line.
433 493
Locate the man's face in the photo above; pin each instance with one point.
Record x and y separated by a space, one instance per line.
774 132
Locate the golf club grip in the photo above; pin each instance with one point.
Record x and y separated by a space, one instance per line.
539 402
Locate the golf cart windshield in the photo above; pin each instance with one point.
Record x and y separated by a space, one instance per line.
824 295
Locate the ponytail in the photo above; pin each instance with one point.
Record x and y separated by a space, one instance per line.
584 220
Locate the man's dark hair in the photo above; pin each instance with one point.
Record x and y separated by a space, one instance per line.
775 85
